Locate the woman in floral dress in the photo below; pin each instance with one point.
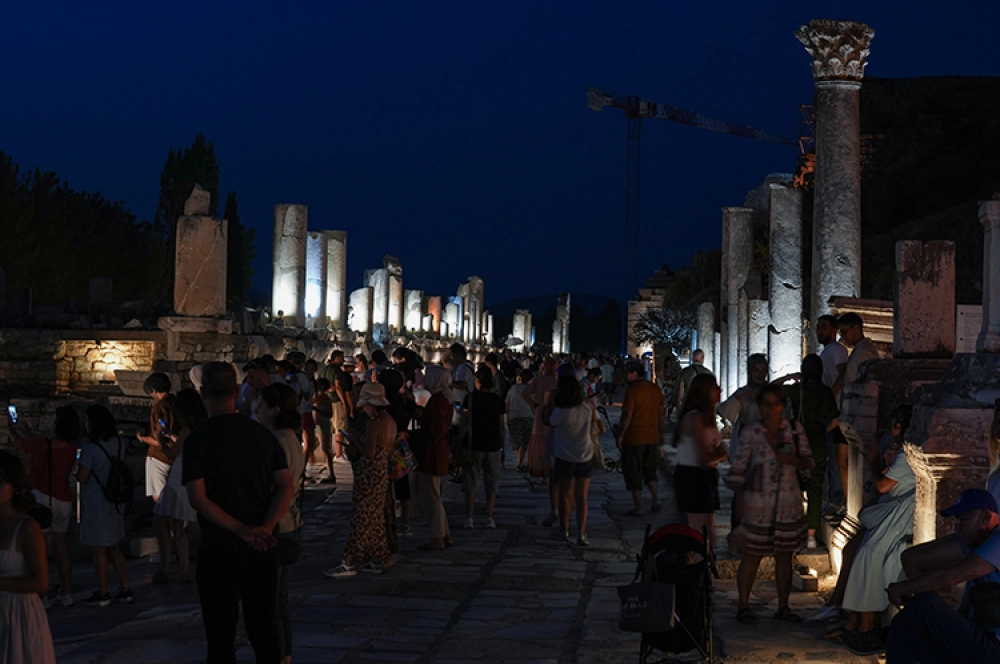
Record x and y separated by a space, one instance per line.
367 547
772 455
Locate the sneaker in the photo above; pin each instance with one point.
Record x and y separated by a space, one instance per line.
828 613
470 524
811 543
341 571
864 643
372 568
491 524
66 600
560 535
97 599
582 540
124 596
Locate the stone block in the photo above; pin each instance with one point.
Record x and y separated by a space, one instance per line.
289 282
200 267
924 303
198 203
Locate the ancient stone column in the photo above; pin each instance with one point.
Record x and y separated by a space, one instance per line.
785 298
434 311
378 280
717 356
336 278
414 301
453 316
924 307
557 327
428 323
359 311
477 308
742 337
396 304
289 284
759 319
989 336
200 265
488 334
737 228
723 361
706 332
562 315
316 257
839 50
522 328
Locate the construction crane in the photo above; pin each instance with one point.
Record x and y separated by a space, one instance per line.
636 109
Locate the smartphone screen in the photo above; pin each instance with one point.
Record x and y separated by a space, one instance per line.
12 412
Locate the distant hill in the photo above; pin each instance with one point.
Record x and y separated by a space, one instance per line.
595 320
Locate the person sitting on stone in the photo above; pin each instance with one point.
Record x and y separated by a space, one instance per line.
927 629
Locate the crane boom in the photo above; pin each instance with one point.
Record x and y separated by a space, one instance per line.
636 107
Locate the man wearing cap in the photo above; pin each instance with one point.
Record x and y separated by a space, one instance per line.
639 436
927 629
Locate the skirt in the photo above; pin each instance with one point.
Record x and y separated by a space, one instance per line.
696 489
24 632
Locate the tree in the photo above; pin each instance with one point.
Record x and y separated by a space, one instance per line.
181 171
668 325
239 255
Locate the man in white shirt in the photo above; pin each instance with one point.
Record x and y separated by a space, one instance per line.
852 333
834 354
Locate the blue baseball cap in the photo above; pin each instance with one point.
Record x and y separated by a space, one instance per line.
972 499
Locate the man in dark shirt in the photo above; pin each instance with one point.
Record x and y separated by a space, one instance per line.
486 436
237 478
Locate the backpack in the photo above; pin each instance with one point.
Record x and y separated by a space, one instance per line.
120 485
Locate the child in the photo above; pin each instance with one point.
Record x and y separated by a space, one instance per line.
24 571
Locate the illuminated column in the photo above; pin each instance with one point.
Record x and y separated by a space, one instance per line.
378 280
488 334
989 337
396 304
737 246
453 316
316 257
717 356
289 284
706 333
336 278
434 311
839 51
414 318
359 311
785 297
759 319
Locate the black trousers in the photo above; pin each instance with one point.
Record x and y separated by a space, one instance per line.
231 576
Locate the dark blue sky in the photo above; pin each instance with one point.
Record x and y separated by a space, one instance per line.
453 135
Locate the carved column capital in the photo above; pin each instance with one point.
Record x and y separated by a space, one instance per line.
839 49
989 214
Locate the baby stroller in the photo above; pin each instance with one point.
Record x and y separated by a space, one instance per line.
670 599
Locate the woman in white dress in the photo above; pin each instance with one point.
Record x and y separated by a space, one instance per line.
24 572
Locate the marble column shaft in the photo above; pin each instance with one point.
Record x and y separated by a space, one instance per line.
289 283
434 311
737 225
336 278
706 332
359 317
759 319
989 336
785 297
316 272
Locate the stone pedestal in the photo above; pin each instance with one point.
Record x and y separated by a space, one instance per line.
434 311
737 248
989 337
396 304
785 297
414 304
200 267
316 271
336 278
706 332
289 284
924 307
359 311
839 50
760 319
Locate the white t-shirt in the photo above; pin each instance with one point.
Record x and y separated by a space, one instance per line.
571 433
863 351
304 388
833 356
463 372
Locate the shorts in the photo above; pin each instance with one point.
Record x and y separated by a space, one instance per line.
565 470
489 464
61 510
339 419
308 423
520 432
639 465
696 489
157 473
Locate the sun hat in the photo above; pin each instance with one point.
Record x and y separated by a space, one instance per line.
372 394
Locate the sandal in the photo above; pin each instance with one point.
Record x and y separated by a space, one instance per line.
786 614
746 616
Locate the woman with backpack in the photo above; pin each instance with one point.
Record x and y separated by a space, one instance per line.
102 527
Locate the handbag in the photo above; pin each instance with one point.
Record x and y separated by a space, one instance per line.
872 515
401 459
41 513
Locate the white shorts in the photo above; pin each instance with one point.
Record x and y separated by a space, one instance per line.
157 473
61 509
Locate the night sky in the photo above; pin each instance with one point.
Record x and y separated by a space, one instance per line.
455 136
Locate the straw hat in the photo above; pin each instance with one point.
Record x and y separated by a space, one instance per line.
372 394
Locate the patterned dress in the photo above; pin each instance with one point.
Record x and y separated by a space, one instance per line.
773 518
367 541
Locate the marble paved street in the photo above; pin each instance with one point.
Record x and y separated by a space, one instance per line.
514 594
